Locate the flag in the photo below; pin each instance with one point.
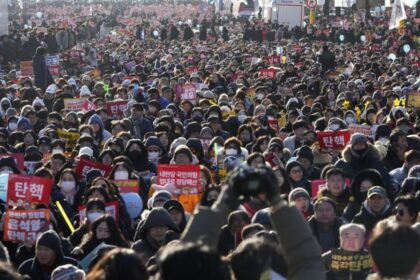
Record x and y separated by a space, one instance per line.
4 17
398 14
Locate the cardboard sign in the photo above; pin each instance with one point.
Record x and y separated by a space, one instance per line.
268 73
117 108
127 186
413 100
23 188
350 262
336 140
84 165
53 64
317 185
73 104
360 128
26 68
70 138
274 60
185 177
25 225
19 158
111 208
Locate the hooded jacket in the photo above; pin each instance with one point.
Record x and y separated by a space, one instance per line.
195 144
34 269
104 135
144 244
352 163
367 218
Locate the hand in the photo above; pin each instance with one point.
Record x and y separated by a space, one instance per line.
77 251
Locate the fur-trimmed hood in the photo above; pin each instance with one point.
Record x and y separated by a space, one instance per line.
371 151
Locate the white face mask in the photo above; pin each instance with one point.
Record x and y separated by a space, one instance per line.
56 151
260 96
383 140
6 172
93 216
12 126
121 175
153 155
242 117
67 186
231 152
334 127
350 120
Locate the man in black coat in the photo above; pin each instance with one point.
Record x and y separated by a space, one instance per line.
48 256
42 74
327 59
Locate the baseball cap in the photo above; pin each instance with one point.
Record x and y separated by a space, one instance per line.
377 190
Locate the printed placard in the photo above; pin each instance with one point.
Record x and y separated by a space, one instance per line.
127 186
24 188
185 177
25 225
70 138
84 165
117 108
268 73
336 140
73 104
360 128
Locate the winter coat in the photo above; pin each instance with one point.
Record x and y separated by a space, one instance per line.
367 218
353 163
144 244
42 75
327 60
317 232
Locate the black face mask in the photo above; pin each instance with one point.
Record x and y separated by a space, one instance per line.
360 152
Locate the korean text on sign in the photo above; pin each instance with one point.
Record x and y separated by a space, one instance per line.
25 225
182 176
84 165
116 108
336 140
29 189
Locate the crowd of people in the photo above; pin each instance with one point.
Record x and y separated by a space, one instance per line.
306 141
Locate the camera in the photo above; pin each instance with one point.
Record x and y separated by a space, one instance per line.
248 181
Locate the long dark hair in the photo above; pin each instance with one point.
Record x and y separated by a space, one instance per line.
116 238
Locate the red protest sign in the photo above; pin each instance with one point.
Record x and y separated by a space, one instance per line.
25 225
127 186
317 185
268 73
19 159
188 92
274 60
116 108
185 177
111 208
333 139
84 165
87 105
29 189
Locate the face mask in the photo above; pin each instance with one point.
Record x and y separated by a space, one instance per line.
242 117
121 175
383 140
231 152
335 127
350 120
68 186
12 126
94 216
260 96
56 151
153 155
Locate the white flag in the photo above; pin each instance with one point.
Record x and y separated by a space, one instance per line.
398 14
4 17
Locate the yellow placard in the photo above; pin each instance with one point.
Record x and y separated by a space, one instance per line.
70 138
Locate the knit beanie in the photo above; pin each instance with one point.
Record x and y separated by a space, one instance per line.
50 239
304 152
298 192
67 272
